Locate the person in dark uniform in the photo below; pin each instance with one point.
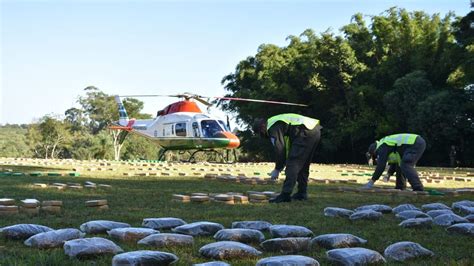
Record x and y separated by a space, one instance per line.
409 146
394 160
294 138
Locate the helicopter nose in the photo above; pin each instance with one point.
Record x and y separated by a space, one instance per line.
234 142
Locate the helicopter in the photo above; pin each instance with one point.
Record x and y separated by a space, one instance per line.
182 125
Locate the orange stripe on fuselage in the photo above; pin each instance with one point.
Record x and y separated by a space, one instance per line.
234 142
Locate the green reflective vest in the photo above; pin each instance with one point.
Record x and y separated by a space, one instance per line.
397 140
394 158
294 120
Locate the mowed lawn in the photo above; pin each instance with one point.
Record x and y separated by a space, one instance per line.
133 198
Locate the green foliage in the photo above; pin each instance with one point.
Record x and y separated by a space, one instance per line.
75 119
139 148
463 31
99 108
404 96
13 141
49 138
87 146
381 77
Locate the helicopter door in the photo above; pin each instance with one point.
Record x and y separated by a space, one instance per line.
196 132
168 130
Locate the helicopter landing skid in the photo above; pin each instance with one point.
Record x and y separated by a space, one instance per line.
192 158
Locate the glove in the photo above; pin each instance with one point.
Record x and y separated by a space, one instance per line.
275 173
386 178
369 185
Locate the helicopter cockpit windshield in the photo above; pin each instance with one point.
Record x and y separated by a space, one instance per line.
223 125
210 128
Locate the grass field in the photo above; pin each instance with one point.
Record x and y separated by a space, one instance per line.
132 198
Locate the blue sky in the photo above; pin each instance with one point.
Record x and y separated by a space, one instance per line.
52 50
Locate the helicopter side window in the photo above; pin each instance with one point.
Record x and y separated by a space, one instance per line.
210 128
196 129
180 129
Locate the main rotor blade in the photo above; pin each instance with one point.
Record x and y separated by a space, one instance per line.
199 98
202 101
150 95
259 101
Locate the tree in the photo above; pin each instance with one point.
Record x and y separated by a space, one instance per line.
101 110
140 148
87 146
464 73
13 142
75 119
402 99
375 79
49 137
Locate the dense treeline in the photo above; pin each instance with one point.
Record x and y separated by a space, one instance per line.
80 134
396 72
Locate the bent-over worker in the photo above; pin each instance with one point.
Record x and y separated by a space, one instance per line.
409 146
294 138
394 160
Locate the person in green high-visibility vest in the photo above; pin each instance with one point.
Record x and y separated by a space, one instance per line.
294 138
409 146
394 160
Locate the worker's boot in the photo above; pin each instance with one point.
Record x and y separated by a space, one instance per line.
283 197
300 195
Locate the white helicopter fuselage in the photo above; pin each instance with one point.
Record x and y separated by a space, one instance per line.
175 130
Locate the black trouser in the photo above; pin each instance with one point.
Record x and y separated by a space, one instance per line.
410 157
400 182
299 158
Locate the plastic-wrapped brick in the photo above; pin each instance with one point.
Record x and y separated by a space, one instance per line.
288 260
144 257
198 229
228 250
54 238
101 226
331 241
406 250
240 235
90 247
23 231
355 256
